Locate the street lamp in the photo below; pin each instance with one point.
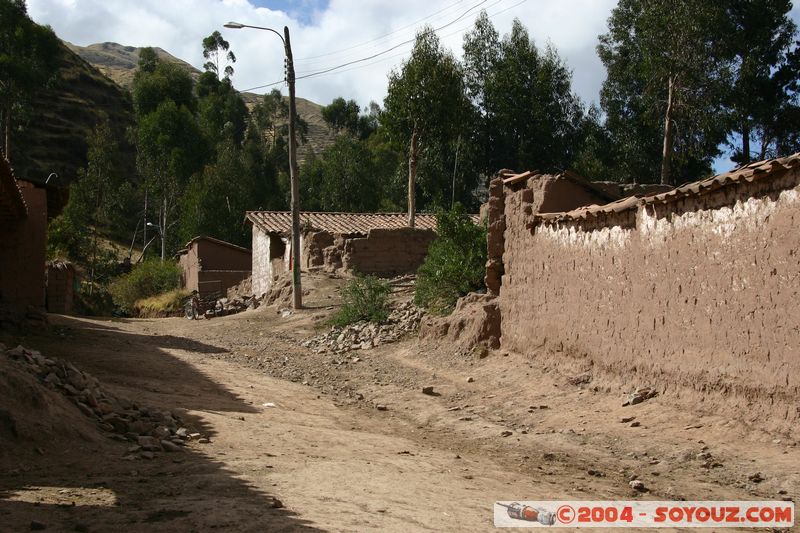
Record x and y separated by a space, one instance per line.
297 292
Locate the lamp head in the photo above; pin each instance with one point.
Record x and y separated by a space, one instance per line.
234 25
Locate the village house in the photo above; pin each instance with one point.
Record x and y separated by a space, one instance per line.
23 234
211 266
367 243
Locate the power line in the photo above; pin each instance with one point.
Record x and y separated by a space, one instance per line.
373 56
379 37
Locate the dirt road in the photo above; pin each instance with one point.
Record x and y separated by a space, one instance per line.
297 442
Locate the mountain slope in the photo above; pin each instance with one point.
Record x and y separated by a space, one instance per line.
118 62
53 138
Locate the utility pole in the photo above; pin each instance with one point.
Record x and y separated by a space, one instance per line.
297 290
294 173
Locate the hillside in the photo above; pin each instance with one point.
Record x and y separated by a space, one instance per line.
119 62
53 137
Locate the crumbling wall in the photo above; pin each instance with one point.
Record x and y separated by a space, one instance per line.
262 269
387 252
698 296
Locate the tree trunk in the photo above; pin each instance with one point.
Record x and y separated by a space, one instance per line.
412 178
745 143
7 132
163 229
666 156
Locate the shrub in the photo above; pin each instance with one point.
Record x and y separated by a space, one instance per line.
455 264
363 298
146 279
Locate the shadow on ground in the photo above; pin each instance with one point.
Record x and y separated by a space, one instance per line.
91 486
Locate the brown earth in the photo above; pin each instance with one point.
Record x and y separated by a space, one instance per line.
336 462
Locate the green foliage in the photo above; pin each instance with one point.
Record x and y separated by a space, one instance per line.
221 111
650 47
527 116
344 178
344 115
147 279
96 200
28 61
165 82
215 46
363 298
426 99
455 264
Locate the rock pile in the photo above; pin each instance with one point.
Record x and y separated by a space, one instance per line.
149 430
403 319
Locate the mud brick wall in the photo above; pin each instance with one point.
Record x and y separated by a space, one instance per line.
22 256
265 267
694 297
60 288
387 252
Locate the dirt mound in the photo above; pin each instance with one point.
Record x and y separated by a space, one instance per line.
43 400
33 416
474 322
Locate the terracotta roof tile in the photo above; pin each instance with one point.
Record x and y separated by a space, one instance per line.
344 223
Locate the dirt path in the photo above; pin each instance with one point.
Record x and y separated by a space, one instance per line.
320 456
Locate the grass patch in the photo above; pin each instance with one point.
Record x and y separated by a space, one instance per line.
162 305
363 298
150 278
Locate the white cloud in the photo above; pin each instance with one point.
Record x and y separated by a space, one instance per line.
179 26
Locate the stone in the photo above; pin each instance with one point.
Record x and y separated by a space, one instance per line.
635 424
161 432
170 446
85 409
149 443
506 433
627 419
637 485
381 407
470 380
147 455
758 477
428 391
37 526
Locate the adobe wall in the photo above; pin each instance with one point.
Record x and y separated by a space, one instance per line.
264 270
190 265
387 252
697 297
216 256
60 288
23 256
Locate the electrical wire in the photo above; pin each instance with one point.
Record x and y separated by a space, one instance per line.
378 54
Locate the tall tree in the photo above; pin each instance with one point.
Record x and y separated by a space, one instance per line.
171 148
221 111
214 48
96 200
425 109
666 85
760 38
28 61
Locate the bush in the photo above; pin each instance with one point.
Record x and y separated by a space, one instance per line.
363 298
455 264
146 279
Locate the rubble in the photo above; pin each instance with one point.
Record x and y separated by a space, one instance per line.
149 430
363 335
640 395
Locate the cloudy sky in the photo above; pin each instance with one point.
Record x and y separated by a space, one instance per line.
371 36
327 33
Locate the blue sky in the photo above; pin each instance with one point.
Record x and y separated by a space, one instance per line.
303 11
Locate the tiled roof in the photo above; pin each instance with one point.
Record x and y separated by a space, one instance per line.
344 223
745 174
12 204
